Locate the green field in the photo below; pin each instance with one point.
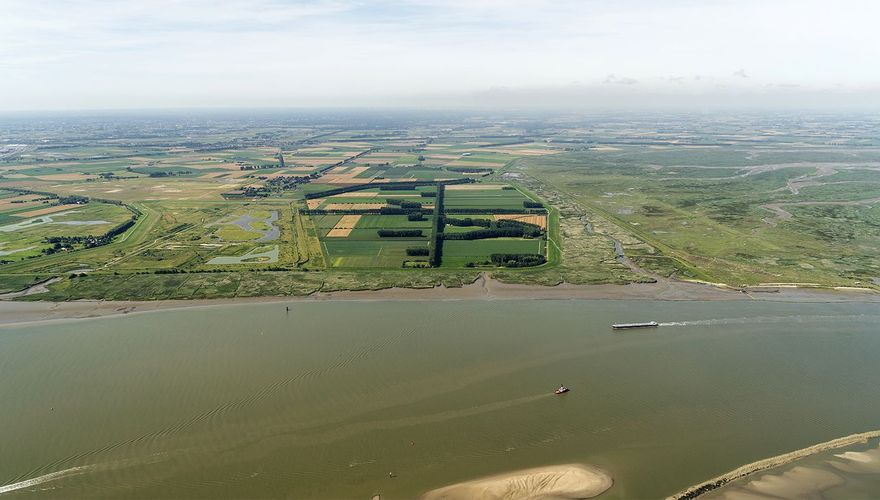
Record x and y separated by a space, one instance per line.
790 224
363 247
489 198
25 237
369 253
458 253
739 201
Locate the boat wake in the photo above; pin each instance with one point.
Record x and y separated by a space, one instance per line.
773 319
73 471
81 469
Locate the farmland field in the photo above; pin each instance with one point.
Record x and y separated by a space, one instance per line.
484 198
460 253
408 237
218 209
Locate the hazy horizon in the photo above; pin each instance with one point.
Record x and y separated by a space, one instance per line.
425 54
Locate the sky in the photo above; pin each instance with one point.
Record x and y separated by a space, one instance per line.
582 54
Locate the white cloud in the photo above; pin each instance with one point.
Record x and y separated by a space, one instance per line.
620 80
94 53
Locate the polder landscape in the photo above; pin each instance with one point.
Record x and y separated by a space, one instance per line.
275 209
304 304
170 207
439 250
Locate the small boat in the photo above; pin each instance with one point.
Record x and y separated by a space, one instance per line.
562 390
624 326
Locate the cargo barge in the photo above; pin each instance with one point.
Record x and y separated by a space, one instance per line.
625 326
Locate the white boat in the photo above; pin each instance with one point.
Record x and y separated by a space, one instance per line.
623 326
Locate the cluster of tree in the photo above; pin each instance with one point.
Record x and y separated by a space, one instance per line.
470 169
496 229
251 166
532 204
529 230
45 198
255 192
415 216
517 259
60 243
73 200
287 182
57 246
399 233
467 222
169 271
28 201
168 173
428 194
417 251
50 196
405 204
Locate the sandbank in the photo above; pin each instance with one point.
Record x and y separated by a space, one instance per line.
769 463
556 481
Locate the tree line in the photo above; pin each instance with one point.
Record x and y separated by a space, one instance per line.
400 233
517 259
435 246
493 229
62 243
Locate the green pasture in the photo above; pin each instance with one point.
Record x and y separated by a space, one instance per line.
458 253
349 253
703 213
488 198
23 237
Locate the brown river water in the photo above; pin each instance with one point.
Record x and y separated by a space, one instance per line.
324 401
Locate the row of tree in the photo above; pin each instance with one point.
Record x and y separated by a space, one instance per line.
436 244
405 204
482 234
470 211
493 229
400 233
517 259
407 185
287 182
60 243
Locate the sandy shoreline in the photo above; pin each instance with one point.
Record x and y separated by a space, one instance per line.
485 288
555 481
769 463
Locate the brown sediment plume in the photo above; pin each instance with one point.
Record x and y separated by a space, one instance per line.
769 463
